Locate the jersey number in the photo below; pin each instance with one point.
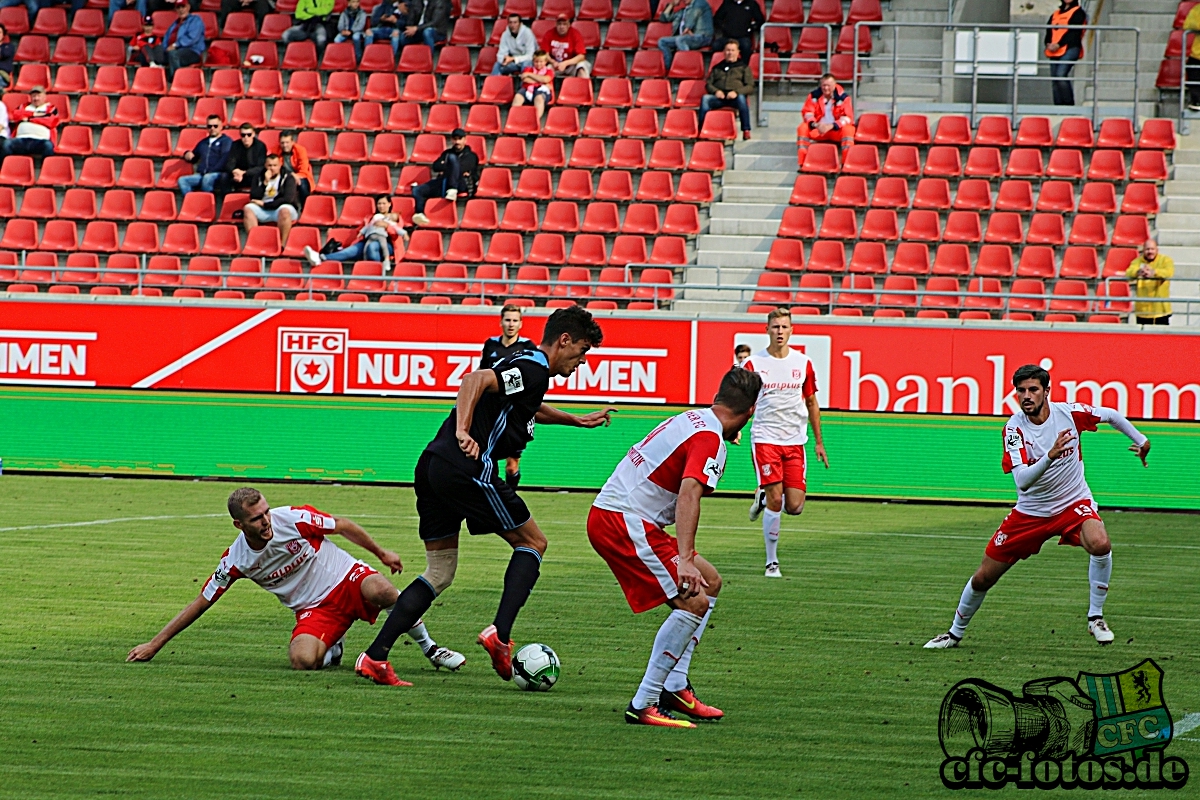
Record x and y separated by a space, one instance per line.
1083 510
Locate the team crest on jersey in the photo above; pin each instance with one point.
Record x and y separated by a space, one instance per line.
1000 538
766 469
294 547
513 382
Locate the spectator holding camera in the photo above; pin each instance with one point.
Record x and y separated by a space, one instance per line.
1151 273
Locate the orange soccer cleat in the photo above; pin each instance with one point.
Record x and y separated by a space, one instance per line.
654 716
379 671
685 702
501 652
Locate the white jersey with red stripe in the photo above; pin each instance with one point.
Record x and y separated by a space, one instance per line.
781 415
1063 482
298 565
647 481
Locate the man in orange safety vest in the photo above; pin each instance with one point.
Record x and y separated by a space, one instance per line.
1064 46
828 116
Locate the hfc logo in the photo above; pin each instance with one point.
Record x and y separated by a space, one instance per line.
311 360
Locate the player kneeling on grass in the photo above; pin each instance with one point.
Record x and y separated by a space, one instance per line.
659 483
284 550
456 479
1041 450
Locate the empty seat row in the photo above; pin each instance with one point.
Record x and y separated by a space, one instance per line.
1074 132
996 261
985 162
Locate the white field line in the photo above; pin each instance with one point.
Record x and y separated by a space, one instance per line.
114 520
1186 725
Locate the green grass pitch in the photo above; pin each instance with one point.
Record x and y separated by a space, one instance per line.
826 688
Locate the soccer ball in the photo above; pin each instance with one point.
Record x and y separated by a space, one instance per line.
535 668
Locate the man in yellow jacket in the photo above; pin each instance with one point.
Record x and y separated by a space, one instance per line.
1152 273
1192 23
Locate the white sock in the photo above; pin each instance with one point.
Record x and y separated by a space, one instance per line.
771 534
1099 573
669 643
329 653
968 604
421 636
678 679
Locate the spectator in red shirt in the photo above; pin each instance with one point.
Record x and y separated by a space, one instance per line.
36 124
568 53
537 84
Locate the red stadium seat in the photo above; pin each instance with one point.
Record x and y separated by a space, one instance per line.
1116 133
983 162
1139 198
1088 229
1080 262
798 222
922 225
827 256
839 223
786 255
1046 229
1059 197
994 132
1130 229
1004 227
933 194
942 162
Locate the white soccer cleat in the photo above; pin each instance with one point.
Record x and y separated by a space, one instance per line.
773 570
333 656
445 657
1099 629
756 508
943 641
313 256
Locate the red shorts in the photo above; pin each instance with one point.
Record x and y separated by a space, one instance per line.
642 556
1021 535
780 462
330 620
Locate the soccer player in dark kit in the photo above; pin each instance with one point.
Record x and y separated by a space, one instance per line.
456 479
495 349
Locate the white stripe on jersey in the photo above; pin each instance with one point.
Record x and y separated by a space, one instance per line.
781 416
637 532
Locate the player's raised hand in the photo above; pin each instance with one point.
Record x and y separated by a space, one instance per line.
1141 450
598 418
143 652
391 561
821 454
468 445
1060 447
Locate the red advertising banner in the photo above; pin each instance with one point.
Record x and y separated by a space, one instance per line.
948 368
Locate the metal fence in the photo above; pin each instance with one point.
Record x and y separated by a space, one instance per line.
778 66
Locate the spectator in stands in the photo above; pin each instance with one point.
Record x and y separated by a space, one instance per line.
37 123
139 6
691 27
309 22
273 198
537 85
8 52
1064 46
208 159
1190 23
568 51
1151 273
458 170
828 116
740 20
146 46
4 132
376 240
517 45
388 21
183 43
352 26
729 85
295 161
429 23
245 155
740 354
260 8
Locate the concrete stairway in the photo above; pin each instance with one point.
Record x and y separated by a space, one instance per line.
1154 18
1178 226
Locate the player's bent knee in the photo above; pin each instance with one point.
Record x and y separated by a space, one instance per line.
440 566
697 605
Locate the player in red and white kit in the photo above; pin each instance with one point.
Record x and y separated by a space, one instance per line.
285 551
658 483
1043 453
786 407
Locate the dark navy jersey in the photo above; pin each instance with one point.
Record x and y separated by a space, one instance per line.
503 421
495 351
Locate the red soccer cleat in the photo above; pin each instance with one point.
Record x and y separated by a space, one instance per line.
685 702
654 716
379 671
501 652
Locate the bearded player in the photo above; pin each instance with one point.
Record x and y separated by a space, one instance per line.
456 480
496 349
786 407
1043 453
285 551
658 483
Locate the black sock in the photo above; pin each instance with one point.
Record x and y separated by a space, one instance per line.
414 601
519 578
513 479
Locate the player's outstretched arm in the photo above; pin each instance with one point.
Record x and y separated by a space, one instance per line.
359 536
1141 444
687 519
474 386
814 419
549 415
190 613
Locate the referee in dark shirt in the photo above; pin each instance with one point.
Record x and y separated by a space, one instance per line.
497 348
